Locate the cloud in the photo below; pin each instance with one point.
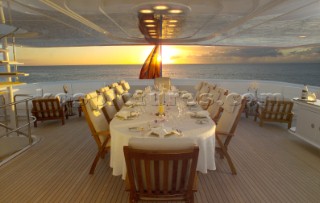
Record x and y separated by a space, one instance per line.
250 52
305 51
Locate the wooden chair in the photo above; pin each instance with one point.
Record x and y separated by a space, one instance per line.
275 111
48 109
226 127
161 174
109 111
111 96
126 95
205 97
91 107
215 106
202 88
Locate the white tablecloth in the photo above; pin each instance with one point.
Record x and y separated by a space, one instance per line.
202 133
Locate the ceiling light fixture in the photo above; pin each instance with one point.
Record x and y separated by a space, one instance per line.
173 21
150 25
146 11
175 11
160 7
148 21
302 36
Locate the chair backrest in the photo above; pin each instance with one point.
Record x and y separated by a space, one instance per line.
109 111
161 173
113 85
232 108
119 90
198 86
125 85
91 106
164 81
104 89
278 110
47 107
218 99
205 88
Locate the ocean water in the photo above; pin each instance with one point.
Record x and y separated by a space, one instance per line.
293 73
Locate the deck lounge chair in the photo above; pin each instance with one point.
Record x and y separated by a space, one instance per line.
48 109
275 111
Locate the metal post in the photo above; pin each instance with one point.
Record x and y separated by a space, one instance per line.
7 67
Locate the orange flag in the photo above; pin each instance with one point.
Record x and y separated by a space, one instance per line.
152 67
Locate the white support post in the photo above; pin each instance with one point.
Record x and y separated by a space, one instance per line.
6 57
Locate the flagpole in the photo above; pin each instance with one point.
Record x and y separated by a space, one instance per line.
160 40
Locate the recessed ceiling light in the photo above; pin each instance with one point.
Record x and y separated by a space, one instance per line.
148 21
172 25
152 33
173 21
152 30
160 7
175 11
302 36
146 11
150 25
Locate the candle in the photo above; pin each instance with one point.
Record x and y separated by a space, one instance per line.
161 109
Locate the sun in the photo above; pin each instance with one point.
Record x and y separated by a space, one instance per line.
168 52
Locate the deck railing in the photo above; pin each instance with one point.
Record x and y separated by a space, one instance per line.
16 123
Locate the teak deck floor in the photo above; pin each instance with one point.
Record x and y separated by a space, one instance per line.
272 165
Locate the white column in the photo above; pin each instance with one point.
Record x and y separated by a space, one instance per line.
6 57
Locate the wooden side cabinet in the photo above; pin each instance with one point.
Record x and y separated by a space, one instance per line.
308 121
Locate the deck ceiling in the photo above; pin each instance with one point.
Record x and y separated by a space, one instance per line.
263 23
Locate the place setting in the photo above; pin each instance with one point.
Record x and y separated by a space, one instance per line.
132 104
163 131
156 129
201 116
127 115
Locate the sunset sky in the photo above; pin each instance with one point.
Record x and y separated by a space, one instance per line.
171 55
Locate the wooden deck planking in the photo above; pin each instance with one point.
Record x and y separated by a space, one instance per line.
272 165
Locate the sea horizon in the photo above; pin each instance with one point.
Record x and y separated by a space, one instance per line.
297 73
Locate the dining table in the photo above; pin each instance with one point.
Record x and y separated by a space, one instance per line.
181 119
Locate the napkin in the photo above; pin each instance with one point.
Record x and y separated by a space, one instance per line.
183 92
129 103
199 114
139 91
191 103
186 96
127 114
163 132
